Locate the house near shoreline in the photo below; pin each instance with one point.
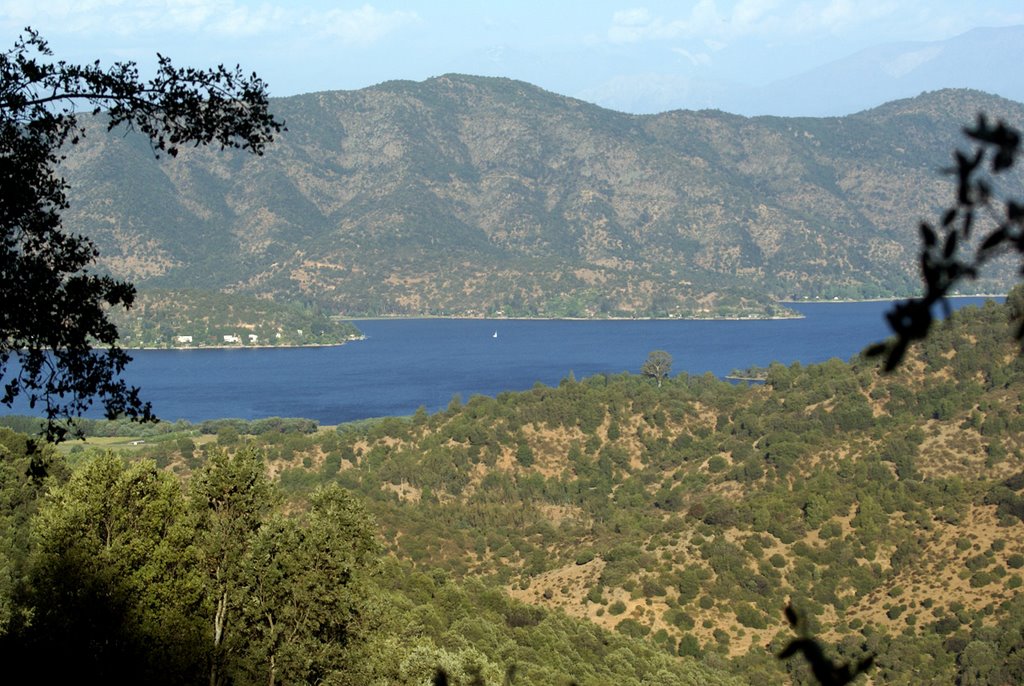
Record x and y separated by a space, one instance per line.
231 338
182 339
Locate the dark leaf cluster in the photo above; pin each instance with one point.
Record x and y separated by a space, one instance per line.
943 259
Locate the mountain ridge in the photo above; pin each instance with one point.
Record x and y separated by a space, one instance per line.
471 196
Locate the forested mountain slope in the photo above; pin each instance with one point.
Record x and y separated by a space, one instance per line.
889 509
468 195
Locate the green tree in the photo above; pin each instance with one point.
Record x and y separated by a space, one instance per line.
657 365
112 574
308 589
21 492
55 309
231 497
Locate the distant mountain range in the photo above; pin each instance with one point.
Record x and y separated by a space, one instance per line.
980 58
465 195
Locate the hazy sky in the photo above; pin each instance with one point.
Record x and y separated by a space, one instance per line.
574 48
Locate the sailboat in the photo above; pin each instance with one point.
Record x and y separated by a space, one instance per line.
494 335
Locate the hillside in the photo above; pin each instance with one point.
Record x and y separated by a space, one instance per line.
886 508
468 195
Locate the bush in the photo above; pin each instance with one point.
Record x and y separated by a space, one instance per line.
679 619
981 579
631 627
652 588
689 645
749 617
617 608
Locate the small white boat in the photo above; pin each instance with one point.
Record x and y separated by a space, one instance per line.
494 335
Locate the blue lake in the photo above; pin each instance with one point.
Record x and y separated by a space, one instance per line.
403 364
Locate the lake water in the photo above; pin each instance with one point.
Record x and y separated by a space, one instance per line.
403 364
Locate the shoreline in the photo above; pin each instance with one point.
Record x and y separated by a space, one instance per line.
750 318
573 319
244 347
893 299
498 318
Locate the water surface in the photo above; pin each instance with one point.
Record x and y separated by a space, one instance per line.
404 364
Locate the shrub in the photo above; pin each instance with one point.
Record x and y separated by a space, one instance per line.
750 617
524 455
978 562
631 627
617 608
652 587
689 645
980 579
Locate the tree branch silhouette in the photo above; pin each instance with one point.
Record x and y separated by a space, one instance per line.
943 262
58 347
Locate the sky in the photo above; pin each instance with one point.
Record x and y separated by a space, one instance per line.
595 49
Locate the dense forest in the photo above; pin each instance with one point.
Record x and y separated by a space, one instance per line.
606 530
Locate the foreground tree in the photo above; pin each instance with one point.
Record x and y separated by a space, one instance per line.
231 497
120 576
657 365
54 308
308 591
110 574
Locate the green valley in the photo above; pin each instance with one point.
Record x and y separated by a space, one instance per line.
606 530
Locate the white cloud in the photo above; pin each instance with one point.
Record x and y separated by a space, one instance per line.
696 59
638 24
124 17
362 26
723 21
227 19
629 26
748 14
